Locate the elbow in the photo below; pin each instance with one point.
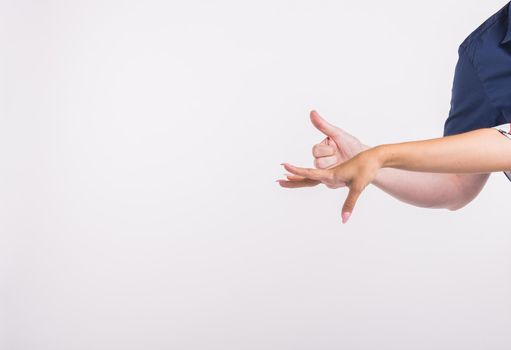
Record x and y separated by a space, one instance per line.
468 186
456 206
465 193
460 203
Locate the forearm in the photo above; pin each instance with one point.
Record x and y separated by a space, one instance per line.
478 151
430 189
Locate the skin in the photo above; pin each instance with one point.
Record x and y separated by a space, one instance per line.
446 172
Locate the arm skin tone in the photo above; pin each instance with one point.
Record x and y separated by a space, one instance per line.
421 189
430 190
446 172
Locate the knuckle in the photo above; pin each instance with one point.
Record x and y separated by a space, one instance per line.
330 176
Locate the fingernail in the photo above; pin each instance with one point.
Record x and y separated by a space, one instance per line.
345 217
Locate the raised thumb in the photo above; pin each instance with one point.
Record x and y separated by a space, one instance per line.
322 125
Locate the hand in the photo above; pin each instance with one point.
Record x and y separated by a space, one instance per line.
337 147
355 173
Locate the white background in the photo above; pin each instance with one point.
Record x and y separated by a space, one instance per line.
140 142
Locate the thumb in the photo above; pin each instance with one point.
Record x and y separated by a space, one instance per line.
322 125
349 203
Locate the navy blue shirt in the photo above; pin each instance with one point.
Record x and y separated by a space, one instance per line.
481 91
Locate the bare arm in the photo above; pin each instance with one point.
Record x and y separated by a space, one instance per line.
422 189
430 190
477 151
473 155
480 151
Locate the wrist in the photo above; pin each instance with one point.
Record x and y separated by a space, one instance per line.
382 155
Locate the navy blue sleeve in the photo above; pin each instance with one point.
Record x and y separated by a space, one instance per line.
470 107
